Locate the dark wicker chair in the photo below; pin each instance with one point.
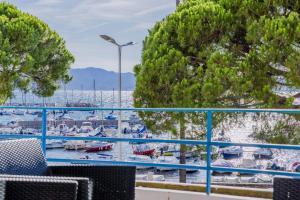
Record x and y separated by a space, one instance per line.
25 188
286 188
24 159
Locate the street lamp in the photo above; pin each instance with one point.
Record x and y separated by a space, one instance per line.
120 46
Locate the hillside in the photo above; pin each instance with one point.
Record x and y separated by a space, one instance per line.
105 80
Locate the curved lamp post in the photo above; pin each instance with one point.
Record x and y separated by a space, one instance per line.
120 46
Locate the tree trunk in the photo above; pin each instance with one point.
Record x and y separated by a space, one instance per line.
182 172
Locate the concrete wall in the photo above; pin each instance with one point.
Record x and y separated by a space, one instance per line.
215 189
162 194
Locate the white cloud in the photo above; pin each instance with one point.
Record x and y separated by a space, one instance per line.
81 21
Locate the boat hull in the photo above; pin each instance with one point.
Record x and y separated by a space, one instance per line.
231 155
99 148
262 156
149 152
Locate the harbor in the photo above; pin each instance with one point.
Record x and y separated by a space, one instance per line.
105 124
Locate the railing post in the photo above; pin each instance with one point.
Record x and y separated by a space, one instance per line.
44 130
208 151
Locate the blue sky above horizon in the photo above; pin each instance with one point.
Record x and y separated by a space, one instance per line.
80 22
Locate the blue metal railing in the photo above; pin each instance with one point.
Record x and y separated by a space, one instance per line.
208 142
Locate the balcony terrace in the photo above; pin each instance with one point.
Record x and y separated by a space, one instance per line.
171 191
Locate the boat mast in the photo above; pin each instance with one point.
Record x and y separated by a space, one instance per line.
94 87
81 94
113 100
72 95
101 105
65 94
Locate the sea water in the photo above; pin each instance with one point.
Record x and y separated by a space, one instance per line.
109 99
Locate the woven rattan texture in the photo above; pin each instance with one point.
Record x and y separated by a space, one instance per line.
109 182
24 157
286 188
39 189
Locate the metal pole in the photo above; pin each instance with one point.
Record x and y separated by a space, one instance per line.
208 151
120 103
44 130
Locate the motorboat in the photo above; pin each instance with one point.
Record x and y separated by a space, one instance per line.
295 166
5 112
98 146
86 127
231 152
18 112
221 163
263 153
195 162
175 151
275 165
248 164
63 128
75 145
29 131
65 117
110 116
99 132
166 160
134 119
141 158
104 156
54 144
93 118
143 149
10 130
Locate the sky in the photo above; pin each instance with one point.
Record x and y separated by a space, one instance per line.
80 22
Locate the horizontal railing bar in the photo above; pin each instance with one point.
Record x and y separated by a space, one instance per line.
195 142
226 110
253 171
274 146
112 162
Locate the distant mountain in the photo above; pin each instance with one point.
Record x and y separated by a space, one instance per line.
105 80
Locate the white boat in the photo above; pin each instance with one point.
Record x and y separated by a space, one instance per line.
75 145
54 144
62 128
18 112
65 117
93 118
29 131
140 158
111 131
9 130
221 163
5 112
166 160
248 164
231 152
173 150
263 153
134 119
105 156
86 127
